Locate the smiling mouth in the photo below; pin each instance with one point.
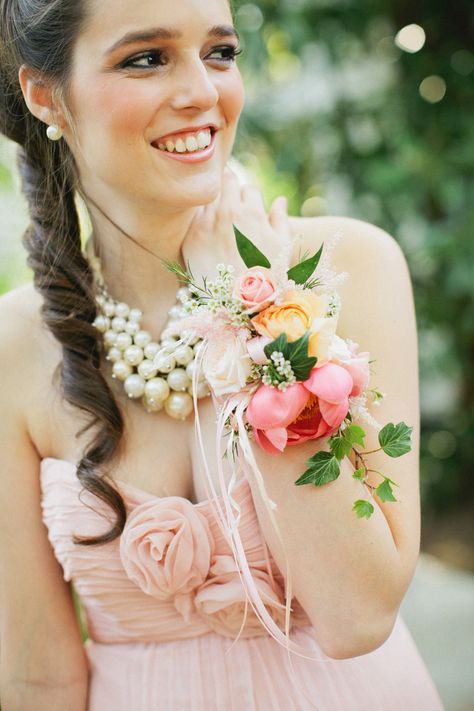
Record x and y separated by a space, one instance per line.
186 143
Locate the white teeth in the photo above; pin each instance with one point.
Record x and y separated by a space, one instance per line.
204 139
192 144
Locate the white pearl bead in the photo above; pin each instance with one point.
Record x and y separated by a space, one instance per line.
157 389
118 324
123 341
135 315
132 328
191 340
197 347
102 323
177 379
100 300
179 405
168 344
202 389
176 312
146 369
164 363
169 333
190 368
134 386
184 355
122 310
114 355
121 370
133 355
109 309
151 350
110 338
152 405
142 338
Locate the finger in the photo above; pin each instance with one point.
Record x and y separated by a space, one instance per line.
278 215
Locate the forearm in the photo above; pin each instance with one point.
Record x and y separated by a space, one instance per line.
346 572
27 696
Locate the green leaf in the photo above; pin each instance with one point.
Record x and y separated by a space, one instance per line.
363 508
296 352
301 272
340 446
355 435
384 491
322 469
251 255
359 474
395 440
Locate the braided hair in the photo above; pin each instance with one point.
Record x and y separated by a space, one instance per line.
40 34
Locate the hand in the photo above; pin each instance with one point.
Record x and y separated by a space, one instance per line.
210 239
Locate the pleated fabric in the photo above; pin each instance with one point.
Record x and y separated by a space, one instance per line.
164 604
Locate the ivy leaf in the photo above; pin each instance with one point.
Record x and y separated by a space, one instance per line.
301 272
363 508
359 474
384 491
279 344
251 255
342 444
355 435
395 440
322 468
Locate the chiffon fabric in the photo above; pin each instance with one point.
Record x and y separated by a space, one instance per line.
164 605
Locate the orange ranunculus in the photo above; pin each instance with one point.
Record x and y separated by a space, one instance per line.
296 315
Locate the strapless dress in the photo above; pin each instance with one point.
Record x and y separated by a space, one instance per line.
164 604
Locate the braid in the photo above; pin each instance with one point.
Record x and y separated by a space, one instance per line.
62 274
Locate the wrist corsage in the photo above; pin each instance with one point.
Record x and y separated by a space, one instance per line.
271 352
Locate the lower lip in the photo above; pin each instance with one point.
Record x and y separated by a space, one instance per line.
195 157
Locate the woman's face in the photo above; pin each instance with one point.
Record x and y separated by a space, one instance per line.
145 108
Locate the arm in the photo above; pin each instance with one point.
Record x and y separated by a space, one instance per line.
43 666
350 574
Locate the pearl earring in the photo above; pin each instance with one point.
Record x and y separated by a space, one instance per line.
54 132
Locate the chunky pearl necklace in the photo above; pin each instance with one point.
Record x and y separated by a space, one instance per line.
160 373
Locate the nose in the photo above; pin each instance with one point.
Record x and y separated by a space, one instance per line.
194 87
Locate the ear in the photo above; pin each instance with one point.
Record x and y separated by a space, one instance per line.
39 97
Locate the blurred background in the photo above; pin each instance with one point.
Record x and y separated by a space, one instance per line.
365 109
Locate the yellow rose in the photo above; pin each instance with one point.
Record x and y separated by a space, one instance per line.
294 316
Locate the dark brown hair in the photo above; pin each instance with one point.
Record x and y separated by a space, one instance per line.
41 34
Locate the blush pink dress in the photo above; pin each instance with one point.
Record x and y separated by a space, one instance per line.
164 603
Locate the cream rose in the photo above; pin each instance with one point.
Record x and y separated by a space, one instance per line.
227 364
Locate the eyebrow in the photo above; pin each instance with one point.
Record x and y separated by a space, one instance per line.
163 33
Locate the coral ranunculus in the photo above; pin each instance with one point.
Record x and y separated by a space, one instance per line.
308 410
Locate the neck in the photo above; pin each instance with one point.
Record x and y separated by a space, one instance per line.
131 249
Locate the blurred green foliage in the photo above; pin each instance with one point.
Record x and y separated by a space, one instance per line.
335 120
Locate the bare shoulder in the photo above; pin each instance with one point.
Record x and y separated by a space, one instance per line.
20 312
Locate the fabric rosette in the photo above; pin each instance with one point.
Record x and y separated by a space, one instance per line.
227 364
220 601
305 410
166 549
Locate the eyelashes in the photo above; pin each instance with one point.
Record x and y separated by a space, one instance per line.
229 54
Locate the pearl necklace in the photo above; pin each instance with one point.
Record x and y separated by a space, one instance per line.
160 373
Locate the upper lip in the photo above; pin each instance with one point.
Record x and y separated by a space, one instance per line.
188 129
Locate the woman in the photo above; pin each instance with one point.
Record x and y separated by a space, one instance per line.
135 107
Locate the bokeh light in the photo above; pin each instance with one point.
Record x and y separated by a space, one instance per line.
433 89
411 38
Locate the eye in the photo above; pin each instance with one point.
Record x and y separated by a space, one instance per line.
145 60
228 53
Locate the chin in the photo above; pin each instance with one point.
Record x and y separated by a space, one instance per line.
202 192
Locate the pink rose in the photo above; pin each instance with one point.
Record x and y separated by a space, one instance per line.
221 600
166 549
308 410
255 288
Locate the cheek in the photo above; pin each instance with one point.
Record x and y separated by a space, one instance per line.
232 97
119 111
